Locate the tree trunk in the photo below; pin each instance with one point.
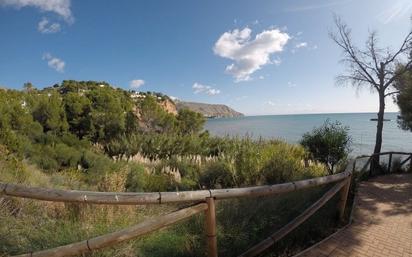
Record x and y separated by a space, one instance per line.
379 129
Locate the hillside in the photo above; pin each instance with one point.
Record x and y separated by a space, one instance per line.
209 110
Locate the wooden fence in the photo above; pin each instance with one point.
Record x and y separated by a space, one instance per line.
382 170
204 201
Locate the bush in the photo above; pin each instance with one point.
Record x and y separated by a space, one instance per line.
329 144
216 175
136 178
67 156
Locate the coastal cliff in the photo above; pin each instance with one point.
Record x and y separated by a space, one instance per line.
209 110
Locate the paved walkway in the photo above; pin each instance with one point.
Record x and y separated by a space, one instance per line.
382 222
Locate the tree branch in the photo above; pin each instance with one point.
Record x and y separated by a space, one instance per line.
406 46
392 93
344 41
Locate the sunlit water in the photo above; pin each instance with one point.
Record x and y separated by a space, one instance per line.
291 128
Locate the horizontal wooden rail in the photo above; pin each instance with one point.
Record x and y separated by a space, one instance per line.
370 157
382 153
268 242
121 235
124 198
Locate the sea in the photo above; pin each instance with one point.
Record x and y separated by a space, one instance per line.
290 128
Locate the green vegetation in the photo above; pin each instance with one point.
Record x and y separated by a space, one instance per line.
328 144
91 136
404 99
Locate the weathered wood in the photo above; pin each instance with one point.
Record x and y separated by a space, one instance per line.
184 196
385 153
371 165
366 165
406 160
268 242
410 163
278 188
344 193
121 235
390 163
354 166
210 215
121 198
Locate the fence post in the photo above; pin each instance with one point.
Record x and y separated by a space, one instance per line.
371 166
211 227
390 163
343 197
354 166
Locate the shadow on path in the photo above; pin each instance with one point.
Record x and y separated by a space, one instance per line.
382 222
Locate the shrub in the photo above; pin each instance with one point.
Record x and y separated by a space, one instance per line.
136 178
67 156
217 175
329 144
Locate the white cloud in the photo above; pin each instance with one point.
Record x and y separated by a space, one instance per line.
54 62
46 27
60 7
199 88
136 83
277 61
291 84
301 45
249 55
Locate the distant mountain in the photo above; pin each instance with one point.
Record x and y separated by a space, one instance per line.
209 110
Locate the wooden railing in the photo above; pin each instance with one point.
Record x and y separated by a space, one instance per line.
368 163
204 201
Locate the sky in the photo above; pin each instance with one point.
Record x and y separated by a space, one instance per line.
259 57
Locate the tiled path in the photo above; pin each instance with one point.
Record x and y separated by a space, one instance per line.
382 222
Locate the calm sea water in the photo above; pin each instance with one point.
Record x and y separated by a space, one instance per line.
291 128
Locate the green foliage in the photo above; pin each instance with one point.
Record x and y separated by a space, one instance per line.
136 178
83 135
328 144
107 115
190 122
404 99
154 118
78 110
217 175
49 112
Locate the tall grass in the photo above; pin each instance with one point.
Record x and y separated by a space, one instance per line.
27 225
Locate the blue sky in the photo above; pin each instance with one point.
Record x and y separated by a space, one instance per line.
259 57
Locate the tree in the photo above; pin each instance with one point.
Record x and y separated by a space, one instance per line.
373 67
329 144
28 87
404 100
107 114
49 112
190 122
154 118
78 110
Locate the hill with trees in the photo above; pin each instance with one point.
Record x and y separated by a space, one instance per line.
88 135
